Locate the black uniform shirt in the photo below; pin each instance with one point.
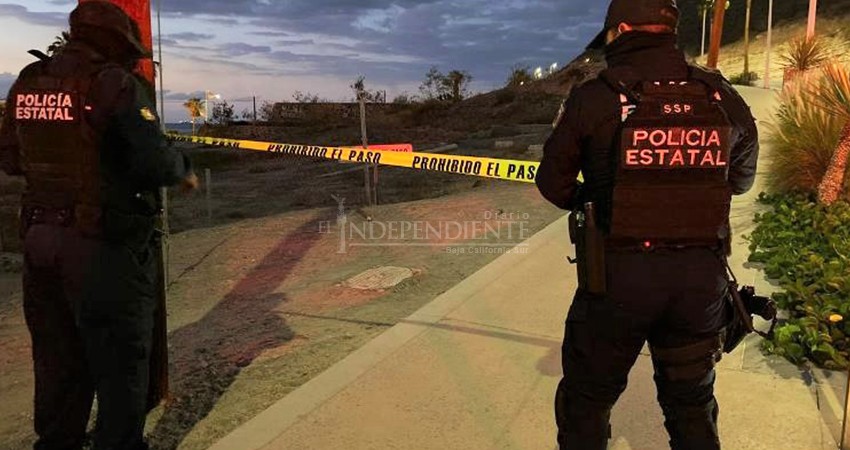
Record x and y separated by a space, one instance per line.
136 157
585 133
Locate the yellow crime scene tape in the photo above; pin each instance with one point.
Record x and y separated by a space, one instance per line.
502 169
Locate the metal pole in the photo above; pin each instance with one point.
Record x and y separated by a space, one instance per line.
845 428
159 47
255 109
768 44
368 176
163 192
208 192
704 17
813 13
747 40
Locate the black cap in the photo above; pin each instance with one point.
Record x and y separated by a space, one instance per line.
637 12
108 16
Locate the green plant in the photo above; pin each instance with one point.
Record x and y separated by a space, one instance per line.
805 54
803 137
451 87
520 76
403 99
805 247
58 43
744 79
833 96
222 113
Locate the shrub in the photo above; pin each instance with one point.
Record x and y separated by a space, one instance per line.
803 139
805 54
403 99
520 75
504 97
805 246
745 79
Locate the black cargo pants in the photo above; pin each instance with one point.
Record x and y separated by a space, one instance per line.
673 299
89 307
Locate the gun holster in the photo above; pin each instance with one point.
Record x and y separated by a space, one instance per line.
590 254
742 304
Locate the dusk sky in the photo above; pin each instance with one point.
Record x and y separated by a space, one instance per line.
272 48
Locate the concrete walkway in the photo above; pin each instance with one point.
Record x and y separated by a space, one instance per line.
478 366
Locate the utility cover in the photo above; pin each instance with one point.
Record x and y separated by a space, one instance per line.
379 278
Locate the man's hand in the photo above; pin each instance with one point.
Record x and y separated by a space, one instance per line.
190 183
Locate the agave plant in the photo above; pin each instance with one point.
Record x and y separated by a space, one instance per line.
803 138
802 56
805 54
833 95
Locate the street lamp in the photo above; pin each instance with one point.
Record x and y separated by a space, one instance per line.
207 96
769 44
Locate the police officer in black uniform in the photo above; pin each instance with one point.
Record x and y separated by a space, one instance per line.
662 147
82 130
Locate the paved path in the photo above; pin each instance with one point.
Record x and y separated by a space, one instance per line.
477 368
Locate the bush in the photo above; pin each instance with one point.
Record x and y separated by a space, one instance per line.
803 139
805 246
520 75
805 54
504 97
745 79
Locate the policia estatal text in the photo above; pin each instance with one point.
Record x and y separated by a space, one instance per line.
662 146
81 128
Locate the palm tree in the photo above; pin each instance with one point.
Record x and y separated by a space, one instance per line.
833 95
195 109
59 43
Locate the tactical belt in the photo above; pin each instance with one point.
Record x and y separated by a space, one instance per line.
91 221
38 215
649 245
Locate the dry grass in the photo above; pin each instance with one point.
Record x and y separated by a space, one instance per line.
833 34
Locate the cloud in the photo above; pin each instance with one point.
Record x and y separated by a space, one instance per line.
241 49
188 36
183 96
398 43
49 19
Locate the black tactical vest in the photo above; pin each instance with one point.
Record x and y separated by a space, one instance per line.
59 149
672 162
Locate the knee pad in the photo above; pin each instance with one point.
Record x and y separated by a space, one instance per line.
688 362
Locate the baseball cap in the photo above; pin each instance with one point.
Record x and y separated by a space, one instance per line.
636 12
108 16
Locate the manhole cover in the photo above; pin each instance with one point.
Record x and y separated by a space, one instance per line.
379 278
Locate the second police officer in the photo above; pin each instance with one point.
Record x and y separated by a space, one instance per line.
662 146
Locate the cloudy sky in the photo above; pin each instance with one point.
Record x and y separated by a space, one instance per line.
272 48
